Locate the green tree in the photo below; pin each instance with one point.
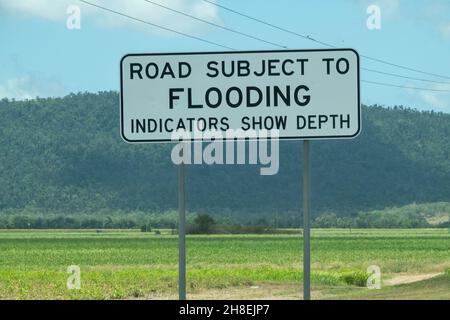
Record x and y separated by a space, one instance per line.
203 223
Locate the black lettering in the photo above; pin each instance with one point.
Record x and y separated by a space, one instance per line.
133 70
256 123
152 125
224 124
147 70
263 69
281 122
187 73
346 68
167 71
191 122
306 98
347 121
166 127
270 121
201 124
302 65
248 93
334 116
224 69
328 60
278 93
303 121
322 119
172 97
190 104
243 68
267 96
245 124
208 97
271 66
140 126
311 121
228 97
213 123
283 67
181 125
212 67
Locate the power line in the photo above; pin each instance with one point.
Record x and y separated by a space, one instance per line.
402 76
216 25
230 48
307 37
156 25
403 87
406 68
270 24
275 44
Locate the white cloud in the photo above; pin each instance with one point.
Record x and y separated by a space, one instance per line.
389 7
437 100
56 11
437 12
434 13
52 10
430 100
445 30
30 87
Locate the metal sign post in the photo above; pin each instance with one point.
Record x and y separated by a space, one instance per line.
306 225
181 232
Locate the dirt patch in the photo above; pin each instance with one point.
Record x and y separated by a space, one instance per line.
256 292
409 278
438 218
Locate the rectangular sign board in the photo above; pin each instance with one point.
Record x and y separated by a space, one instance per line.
304 94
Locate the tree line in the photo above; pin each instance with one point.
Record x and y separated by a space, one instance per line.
65 155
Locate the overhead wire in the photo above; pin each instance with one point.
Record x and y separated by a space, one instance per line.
308 37
255 38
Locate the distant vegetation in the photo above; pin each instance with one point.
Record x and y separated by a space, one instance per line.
63 164
410 216
124 265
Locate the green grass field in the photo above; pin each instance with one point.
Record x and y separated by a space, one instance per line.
131 264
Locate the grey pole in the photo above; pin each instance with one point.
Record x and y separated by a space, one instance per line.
181 231
306 224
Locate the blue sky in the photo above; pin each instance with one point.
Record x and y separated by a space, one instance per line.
42 57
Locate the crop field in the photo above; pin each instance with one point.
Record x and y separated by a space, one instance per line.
136 265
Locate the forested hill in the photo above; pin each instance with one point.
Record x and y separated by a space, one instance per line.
66 155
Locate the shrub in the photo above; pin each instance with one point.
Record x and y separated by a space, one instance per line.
354 277
146 228
203 224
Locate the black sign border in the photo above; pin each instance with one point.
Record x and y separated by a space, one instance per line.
122 134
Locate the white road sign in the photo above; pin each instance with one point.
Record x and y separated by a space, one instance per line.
304 94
